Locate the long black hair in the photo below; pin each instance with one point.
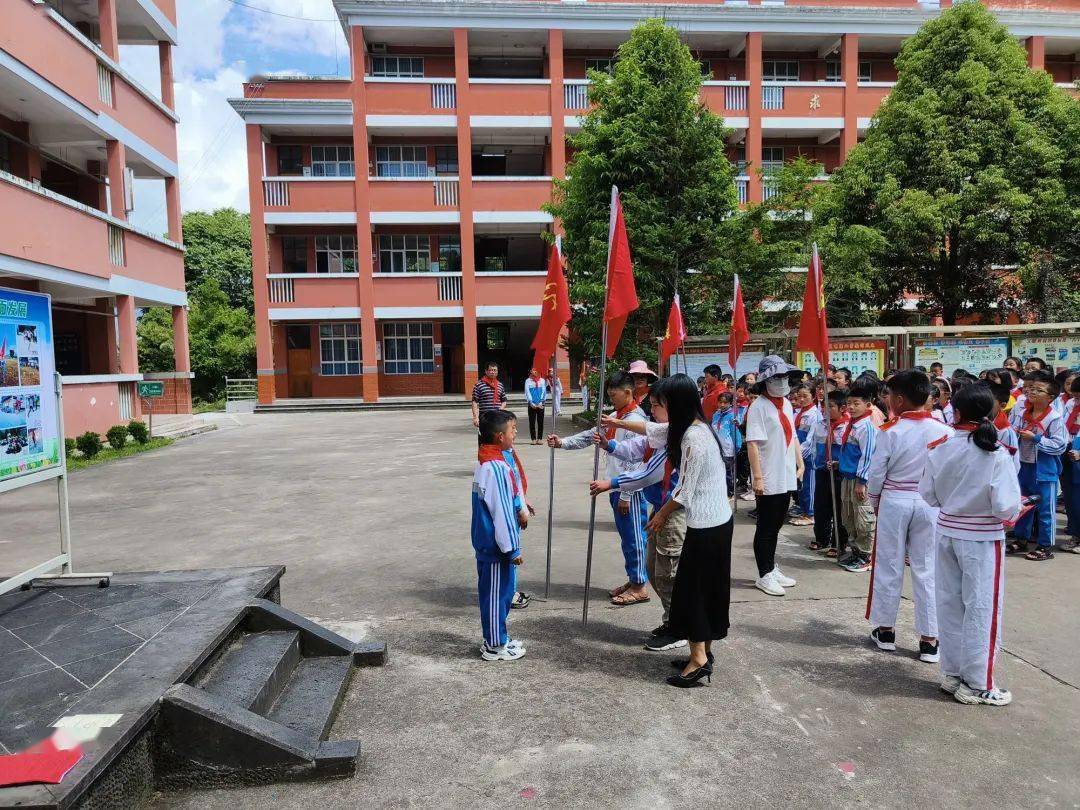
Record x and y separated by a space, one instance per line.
679 395
975 403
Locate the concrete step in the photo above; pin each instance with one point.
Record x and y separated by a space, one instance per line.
310 701
178 426
255 669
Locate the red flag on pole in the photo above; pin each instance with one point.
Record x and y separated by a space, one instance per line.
554 313
740 333
675 336
621 294
813 331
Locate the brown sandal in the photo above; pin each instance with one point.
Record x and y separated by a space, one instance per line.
832 552
619 590
1039 555
625 600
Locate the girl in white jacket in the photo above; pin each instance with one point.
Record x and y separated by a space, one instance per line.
973 481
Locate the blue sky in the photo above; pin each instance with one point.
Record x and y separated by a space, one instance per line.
221 45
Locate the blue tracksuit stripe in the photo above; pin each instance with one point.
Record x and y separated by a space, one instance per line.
507 501
495 589
631 530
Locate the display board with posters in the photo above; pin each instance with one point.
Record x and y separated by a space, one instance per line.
1059 352
748 362
857 355
30 441
971 354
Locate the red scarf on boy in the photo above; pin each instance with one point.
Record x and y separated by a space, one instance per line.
492 452
620 413
1031 422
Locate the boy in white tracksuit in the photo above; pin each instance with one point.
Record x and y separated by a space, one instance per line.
971 479
905 522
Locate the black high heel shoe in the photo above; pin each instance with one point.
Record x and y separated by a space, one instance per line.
691 679
680 663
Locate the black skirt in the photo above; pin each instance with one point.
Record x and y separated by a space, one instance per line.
702 596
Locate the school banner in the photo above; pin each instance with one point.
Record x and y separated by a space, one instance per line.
972 354
857 355
1059 352
28 424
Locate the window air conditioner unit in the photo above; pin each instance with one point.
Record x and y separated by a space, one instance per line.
307 171
378 47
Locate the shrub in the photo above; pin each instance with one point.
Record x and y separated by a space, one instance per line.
89 444
69 446
117 436
139 432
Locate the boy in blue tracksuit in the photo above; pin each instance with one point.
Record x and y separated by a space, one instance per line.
1043 441
726 428
856 449
825 437
496 533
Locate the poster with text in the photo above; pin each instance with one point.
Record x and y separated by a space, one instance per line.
1059 352
28 424
748 362
970 354
857 355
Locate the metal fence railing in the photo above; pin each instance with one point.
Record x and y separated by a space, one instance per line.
240 394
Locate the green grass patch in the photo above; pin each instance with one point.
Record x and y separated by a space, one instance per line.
208 406
108 454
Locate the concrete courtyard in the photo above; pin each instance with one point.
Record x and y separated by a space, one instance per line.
370 513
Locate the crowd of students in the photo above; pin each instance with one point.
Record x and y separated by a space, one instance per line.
945 475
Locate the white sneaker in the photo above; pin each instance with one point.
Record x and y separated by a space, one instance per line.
769 585
987 697
516 644
782 579
748 496
504 653
949 684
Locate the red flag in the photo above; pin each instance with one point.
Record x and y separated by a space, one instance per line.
675 336
621 294
554 313
813 332
740 333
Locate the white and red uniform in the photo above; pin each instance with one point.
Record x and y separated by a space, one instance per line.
905 522
975 491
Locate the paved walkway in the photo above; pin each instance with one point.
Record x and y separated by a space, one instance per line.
370 513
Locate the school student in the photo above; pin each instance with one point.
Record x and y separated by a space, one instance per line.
856 452
729 434
827 504
629 508
536 394
905 522
775 468
655 480
1070 474
520 600
496 533
970 480
1043 440
807 414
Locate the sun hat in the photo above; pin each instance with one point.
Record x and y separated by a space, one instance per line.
772 366
641 367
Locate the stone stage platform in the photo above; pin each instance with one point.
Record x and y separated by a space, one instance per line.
212 679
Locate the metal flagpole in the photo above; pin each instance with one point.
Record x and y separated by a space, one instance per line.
551 474
599 409
828 464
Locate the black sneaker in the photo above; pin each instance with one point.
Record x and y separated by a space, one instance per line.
664 642
520 601
929 652
662 630
885 639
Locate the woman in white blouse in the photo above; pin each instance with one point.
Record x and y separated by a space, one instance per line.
702 595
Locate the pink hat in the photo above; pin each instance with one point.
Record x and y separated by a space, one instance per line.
641 367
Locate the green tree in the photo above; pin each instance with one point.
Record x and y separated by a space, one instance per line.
649 134
218 246
962 176
221 340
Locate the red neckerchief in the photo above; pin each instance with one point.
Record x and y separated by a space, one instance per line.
1029 423
494 386
521 472
742 402
830 436
916 415
851 426
1001 421
620 413
492 452
967 427
1072 424
785 423
802 412
534 377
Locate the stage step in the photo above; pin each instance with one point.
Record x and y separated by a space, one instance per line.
310 701
255 669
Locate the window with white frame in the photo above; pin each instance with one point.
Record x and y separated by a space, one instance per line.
408 348
401 161
602 65
772 158
339 349
780 70
834 73
403 66
446 161
866 71
335 254
404 253
332 161
450 253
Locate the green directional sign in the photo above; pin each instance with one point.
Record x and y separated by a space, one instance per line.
150 389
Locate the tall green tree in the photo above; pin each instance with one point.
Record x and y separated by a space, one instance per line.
218 246
962 178
649 134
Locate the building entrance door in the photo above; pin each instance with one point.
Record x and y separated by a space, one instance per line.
298 340
453 343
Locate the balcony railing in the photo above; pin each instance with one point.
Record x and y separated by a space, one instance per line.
446 193
772 98
576 94
742 185
282 291
450 286
310 194
443 96
275 193
314 289
735 97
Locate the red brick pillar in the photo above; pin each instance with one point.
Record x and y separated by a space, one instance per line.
753 114
1036 50
110 40
116 157
849 72
128 342
166 69
260 266
465 207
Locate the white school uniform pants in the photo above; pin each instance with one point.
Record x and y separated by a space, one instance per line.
905 527
970 593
